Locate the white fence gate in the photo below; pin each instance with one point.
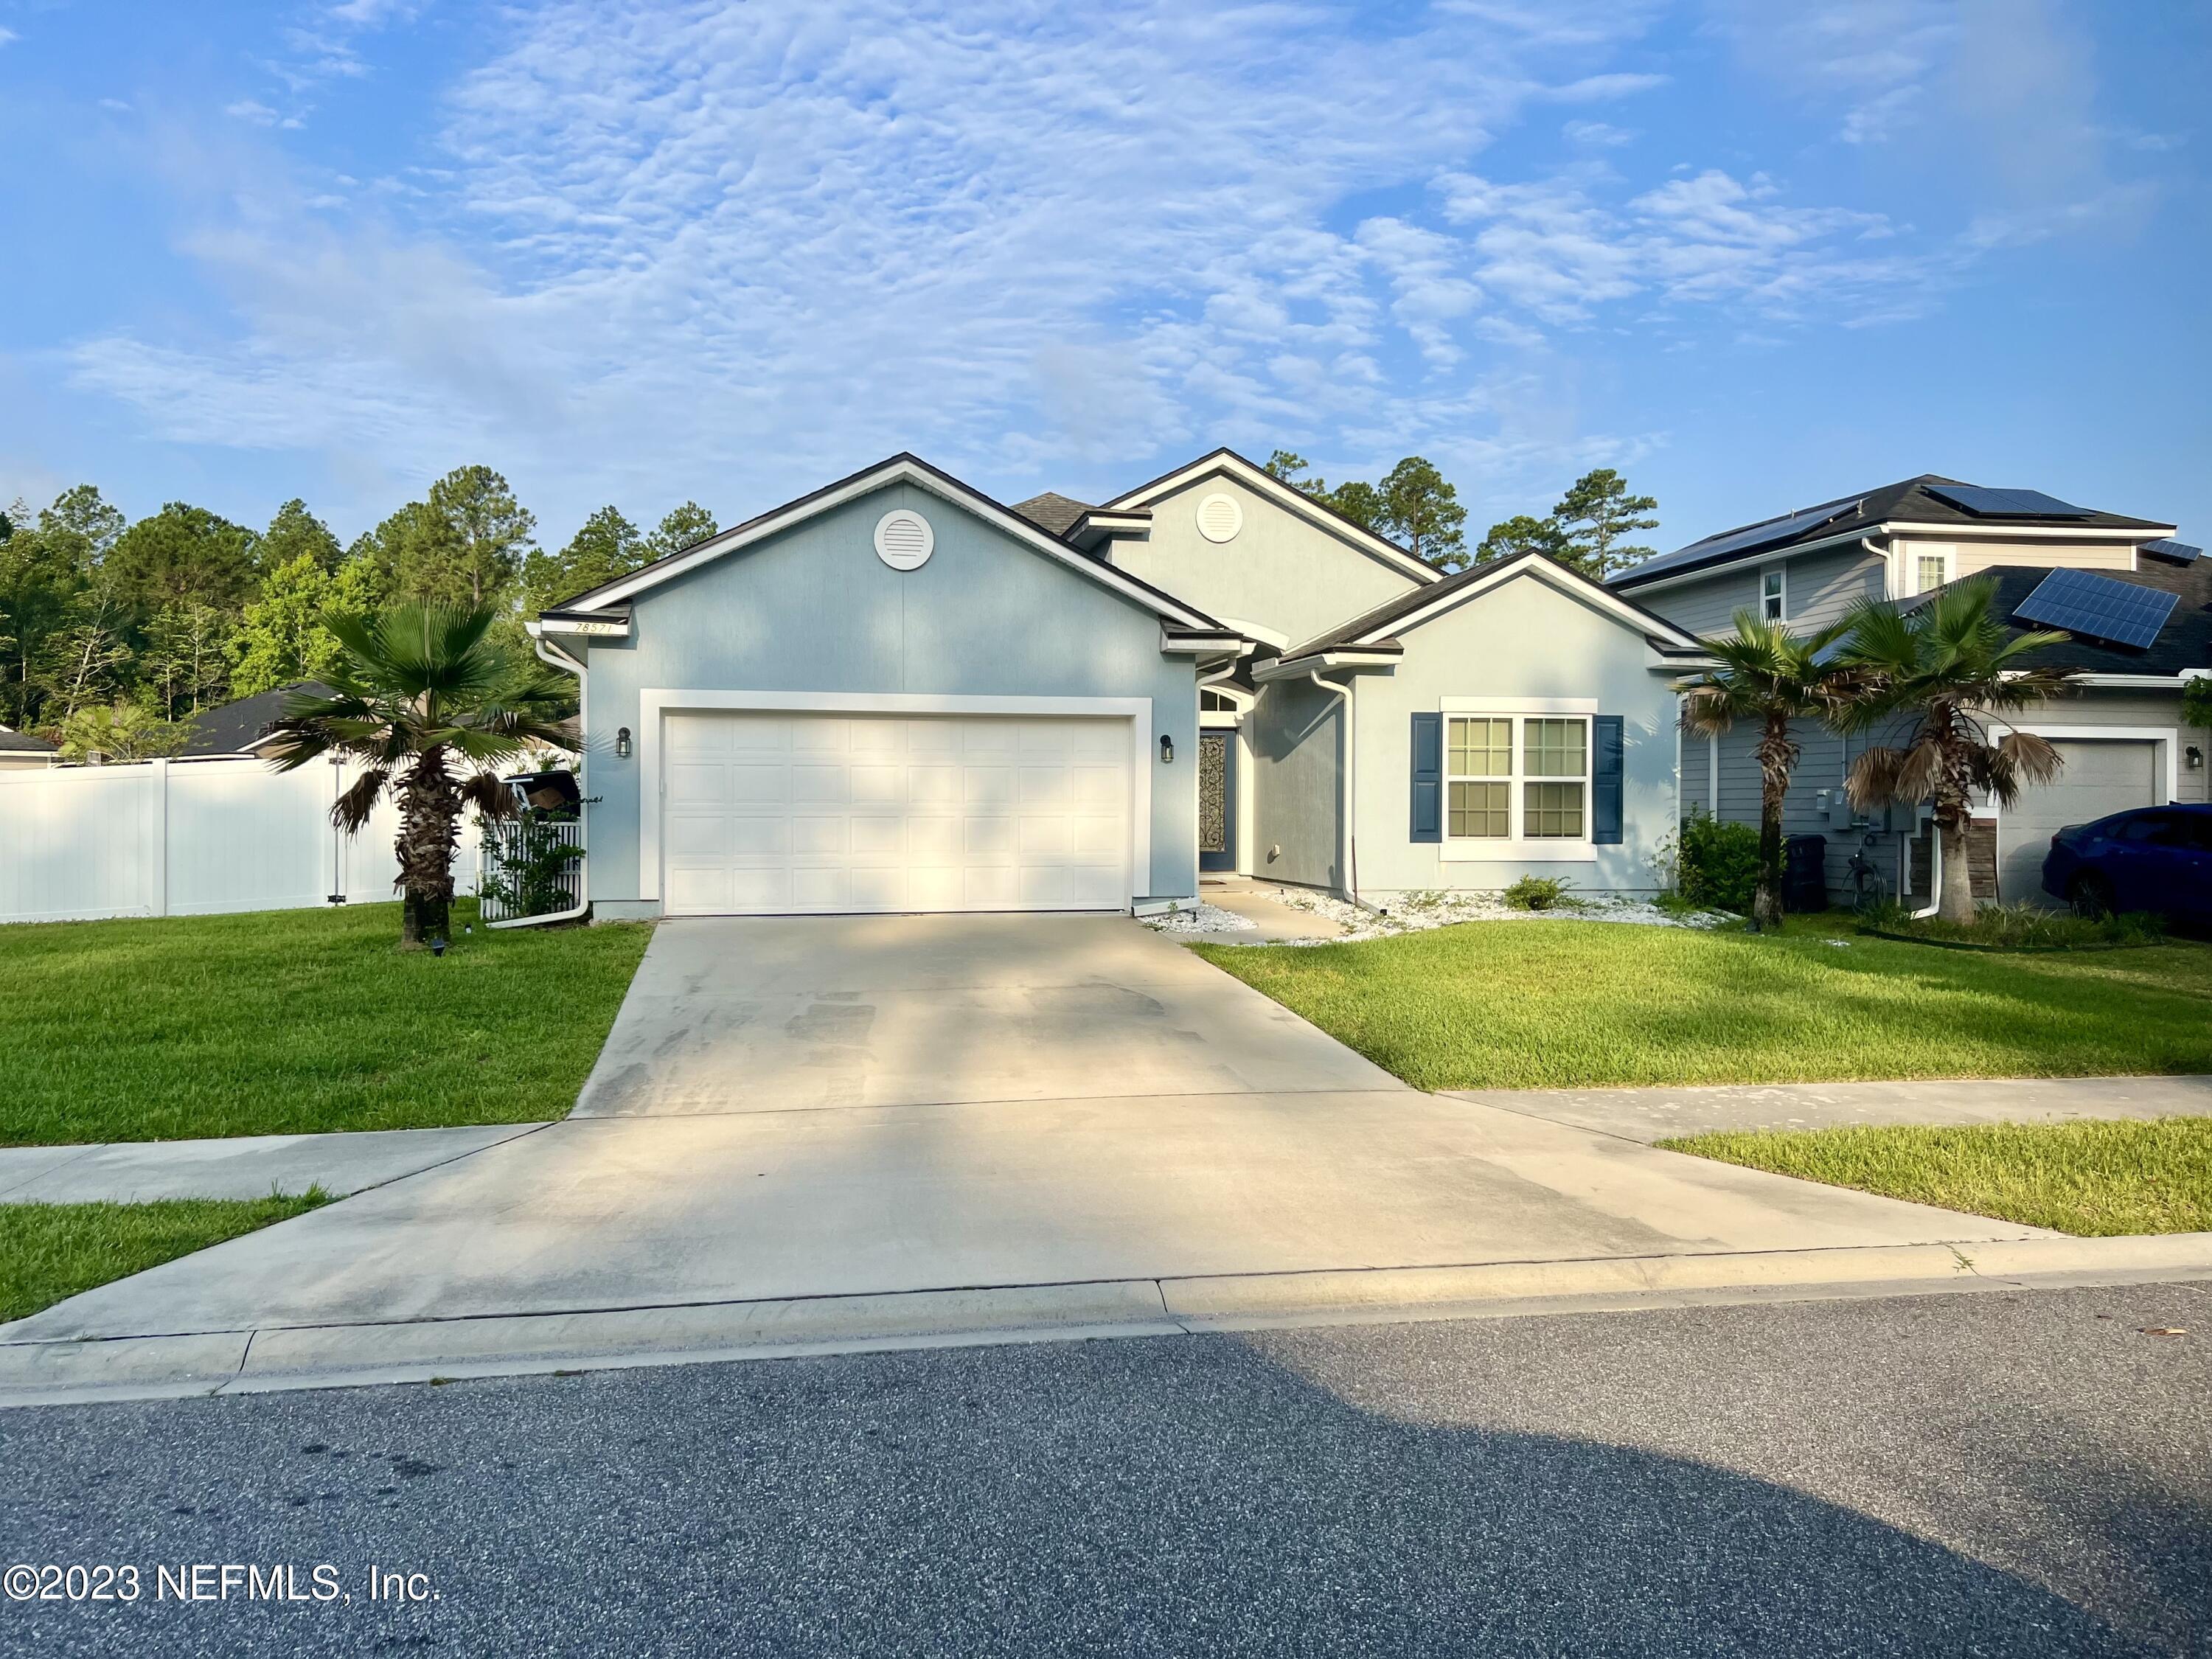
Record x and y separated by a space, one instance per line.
190 838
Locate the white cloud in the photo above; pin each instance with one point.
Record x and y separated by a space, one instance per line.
253 110
1596 135
8 36
729 251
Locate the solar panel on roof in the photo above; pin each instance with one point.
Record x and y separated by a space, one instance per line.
1783 529
2006 503
2101 607
2179 552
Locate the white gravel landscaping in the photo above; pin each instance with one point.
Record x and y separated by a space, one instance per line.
1415 913
1201 918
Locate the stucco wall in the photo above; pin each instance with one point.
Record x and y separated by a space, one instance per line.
1526 639
815 610
1296 737
1281 570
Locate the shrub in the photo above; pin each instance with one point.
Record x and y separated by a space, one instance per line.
2019 926
1537 893
1717 863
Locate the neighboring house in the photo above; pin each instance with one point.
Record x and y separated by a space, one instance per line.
895 694
242 727
2122 735
20 749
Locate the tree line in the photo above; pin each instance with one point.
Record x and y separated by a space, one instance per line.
1413 504
115 635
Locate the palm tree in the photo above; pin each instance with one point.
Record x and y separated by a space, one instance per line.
415 688
1767 674
1947 666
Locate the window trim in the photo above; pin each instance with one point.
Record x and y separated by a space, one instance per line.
1916 552
1516 846
1779 575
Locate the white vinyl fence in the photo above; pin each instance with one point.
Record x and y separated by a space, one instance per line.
190 838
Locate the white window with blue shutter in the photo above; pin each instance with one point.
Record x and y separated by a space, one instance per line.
1531 780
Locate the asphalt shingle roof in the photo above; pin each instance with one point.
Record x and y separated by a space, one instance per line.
1055 513
1908 501
22 743
230 727
2185 640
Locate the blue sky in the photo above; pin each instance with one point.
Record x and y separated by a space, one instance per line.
1753 254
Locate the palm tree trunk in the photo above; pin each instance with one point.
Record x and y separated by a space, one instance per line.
1766 896
429 810
1956 900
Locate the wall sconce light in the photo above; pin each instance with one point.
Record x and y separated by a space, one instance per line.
621 743
1167 750
2194 758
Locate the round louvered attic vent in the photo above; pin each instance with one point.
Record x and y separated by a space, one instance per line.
1220 518
904 539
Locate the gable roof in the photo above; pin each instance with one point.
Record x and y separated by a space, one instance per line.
234 728
1849 517
1056 512
901 468
12 742
1261 482
1378 630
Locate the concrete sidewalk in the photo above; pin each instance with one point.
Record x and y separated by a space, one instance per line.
891 1130
1652 1114
245 1166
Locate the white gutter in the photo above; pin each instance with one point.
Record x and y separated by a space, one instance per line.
1350 778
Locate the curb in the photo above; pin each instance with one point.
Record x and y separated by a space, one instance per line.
156 1366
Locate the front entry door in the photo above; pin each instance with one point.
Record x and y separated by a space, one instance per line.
1217 800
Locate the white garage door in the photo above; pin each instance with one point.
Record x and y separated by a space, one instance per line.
780 813
2101 776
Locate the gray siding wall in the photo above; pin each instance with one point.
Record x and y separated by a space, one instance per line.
815 610
1297 734
1818 588
1707 605
1822 586
1281 571
1525 640
1827 757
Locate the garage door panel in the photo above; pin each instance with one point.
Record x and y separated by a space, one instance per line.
2100 777
813 835
691 838
799 813
752 783
878 838
992 889
875 784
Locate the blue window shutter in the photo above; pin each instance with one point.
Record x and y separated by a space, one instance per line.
1608 740
1428 777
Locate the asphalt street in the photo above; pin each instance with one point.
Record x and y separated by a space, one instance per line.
2003 1473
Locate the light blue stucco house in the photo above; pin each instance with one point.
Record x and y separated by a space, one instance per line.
895 694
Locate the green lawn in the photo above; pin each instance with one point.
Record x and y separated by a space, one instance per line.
2088 1178
50 1251
1566 1005
284 1021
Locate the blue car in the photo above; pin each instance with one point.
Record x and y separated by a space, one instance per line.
2154 857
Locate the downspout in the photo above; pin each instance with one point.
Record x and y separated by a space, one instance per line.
1891 580
1350 793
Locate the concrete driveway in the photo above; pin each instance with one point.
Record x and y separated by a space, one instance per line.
785 1013
822 1107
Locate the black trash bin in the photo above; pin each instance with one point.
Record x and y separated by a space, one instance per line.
1805 873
